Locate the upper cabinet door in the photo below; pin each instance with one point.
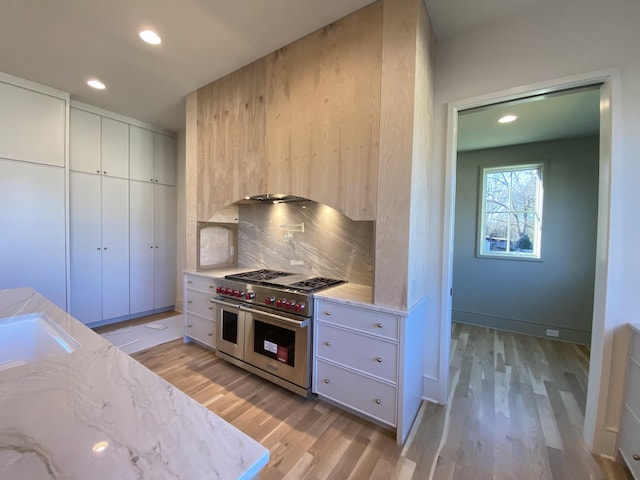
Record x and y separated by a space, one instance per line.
140 154
164 159
32 126
115 148
84 141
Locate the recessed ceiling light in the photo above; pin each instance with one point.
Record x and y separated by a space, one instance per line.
95 83
151 37
507 119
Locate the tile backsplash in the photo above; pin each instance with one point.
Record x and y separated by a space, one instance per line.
305 237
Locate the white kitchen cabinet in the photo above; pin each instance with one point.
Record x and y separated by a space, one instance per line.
32 125
98 144
99 236
140 154
32 246
629 437
356 360
199 323
152 156
153 246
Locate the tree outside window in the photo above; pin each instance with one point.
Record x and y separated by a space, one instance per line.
511 211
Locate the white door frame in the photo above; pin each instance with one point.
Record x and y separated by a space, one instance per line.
599 433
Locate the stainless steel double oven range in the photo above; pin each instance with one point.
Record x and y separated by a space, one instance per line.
263 324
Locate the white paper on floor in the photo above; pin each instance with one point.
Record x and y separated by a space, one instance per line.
146 335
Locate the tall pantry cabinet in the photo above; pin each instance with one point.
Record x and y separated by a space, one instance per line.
122 222
33 121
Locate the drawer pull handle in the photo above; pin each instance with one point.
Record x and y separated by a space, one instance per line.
210 334
326 380
328 344
189 282
210 308
636 457
210 286
379 325
189 326
379 359
378 401
327 313
189 301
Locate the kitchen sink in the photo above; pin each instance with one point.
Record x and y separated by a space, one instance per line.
31 337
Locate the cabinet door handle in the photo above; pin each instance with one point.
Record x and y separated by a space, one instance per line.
211 286
189 282
105 172
327 313
189 301
379 325
97 171
104 248
378 401
152 247
328 344
98 248
636 457
379 359
326 380
189 326
210 334
151 179
210 308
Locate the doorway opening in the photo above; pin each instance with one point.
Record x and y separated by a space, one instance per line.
594 426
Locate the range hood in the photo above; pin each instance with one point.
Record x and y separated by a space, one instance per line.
276 198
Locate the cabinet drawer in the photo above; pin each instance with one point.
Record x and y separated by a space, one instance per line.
375 323
200 329
200 283
199 303
361 393
629 443
370 355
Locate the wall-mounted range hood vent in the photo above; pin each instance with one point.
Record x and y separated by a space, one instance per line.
277 198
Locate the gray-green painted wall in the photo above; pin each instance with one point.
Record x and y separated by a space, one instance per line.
532 296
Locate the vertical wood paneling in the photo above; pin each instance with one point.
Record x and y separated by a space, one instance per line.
191 180
231 139
323 98
396 147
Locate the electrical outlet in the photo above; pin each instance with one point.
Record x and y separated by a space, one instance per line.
296 263
552 333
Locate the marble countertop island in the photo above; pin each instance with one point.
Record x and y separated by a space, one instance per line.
95 413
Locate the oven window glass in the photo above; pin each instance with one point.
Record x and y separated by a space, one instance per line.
230 326
274 342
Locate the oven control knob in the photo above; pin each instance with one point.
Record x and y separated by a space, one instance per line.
218 289
250 295
269 300
238 293
223 290
299 307
280 302
288 304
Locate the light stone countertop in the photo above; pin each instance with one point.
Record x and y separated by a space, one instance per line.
346 293
56 414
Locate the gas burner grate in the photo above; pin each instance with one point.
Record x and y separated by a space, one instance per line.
314 284
258 275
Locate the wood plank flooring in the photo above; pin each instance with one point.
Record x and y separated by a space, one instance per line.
516 412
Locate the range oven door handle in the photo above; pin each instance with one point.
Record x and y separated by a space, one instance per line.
225 304
276 318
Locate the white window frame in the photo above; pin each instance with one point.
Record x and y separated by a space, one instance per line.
537 243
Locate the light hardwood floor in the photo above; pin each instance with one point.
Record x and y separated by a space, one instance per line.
515 412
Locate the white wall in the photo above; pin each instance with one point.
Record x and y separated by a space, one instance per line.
573 37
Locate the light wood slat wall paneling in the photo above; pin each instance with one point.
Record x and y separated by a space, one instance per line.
323 114
191 181
399 29
231 139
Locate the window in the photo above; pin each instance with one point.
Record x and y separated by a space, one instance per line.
511 211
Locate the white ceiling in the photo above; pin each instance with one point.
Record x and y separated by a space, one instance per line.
544 117
63 43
